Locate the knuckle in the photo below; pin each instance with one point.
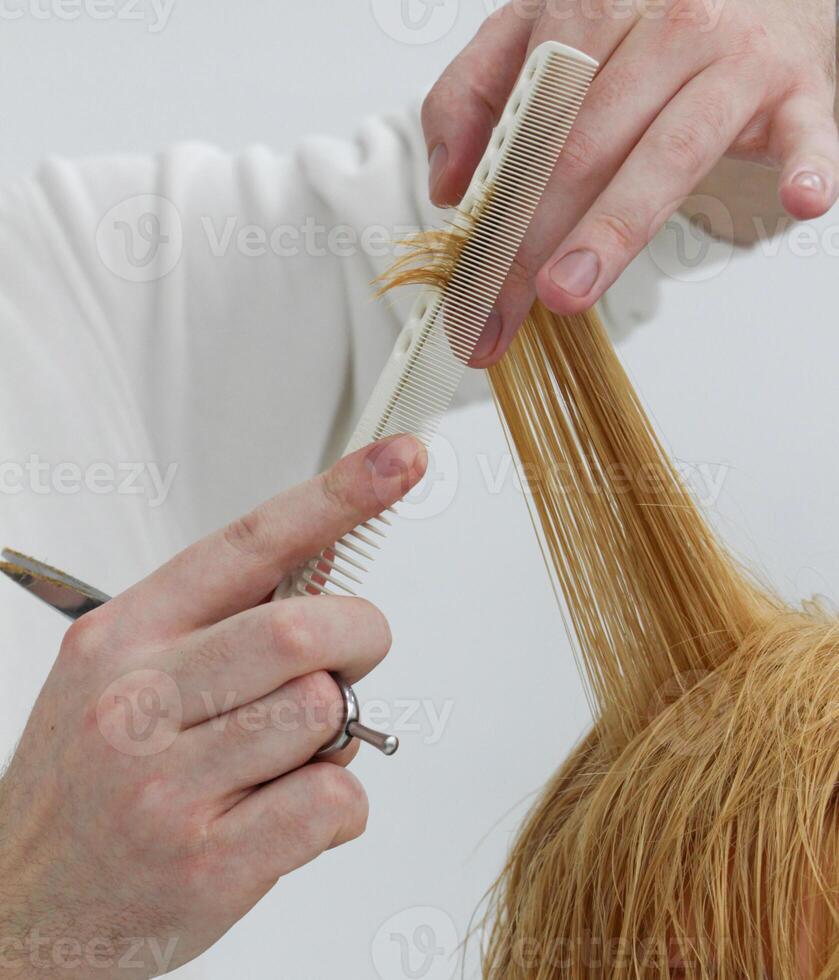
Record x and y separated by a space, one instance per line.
463 88
441 99
579 153
240 728
317 691
155 797
713 115
683 11
483 100
211 653
811 86
522 271
248 534
375 625
201 844
86 636
198 855
427 110
336 810
680 148
685 16
339 793
752 41
157 806
753 142
248 725
336 490
292 829
291 631
619 230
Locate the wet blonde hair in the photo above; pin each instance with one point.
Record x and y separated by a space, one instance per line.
692 832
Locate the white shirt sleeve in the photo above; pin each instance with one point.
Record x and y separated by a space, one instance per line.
208 309
183 336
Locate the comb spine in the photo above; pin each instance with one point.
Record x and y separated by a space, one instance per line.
530 135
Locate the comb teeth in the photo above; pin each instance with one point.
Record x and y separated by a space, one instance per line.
422 375
437 343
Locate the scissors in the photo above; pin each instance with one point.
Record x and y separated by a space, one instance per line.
73 598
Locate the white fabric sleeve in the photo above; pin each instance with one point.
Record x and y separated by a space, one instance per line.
183 336
212 309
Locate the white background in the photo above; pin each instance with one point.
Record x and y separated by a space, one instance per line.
739 371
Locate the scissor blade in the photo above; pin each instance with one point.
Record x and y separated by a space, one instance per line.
68 595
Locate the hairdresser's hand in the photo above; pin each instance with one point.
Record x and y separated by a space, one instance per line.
160 788
682 82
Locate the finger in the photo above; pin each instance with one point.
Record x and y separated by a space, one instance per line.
238 566
603 136
346 756
805 139
680 148
243 658
288 823
267 738
461 109
596 27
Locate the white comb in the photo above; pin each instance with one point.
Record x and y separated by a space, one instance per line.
419 380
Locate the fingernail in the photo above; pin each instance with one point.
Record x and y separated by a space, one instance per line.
810 181
437 167
395 457
576 273
489 338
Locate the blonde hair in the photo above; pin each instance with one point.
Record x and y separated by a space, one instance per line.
692 833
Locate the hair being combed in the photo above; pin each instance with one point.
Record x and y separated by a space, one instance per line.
693 831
